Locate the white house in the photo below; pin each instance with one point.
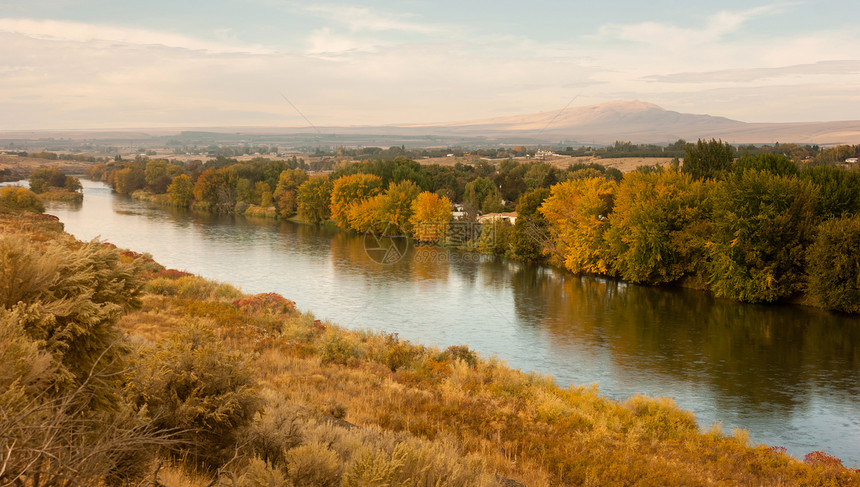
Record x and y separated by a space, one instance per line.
510 217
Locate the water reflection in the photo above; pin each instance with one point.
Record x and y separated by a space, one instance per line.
790 375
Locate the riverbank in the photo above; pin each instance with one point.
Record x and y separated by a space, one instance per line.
520 426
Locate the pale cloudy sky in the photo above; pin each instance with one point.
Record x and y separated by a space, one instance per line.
135 63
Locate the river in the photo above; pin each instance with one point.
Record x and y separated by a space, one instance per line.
788 374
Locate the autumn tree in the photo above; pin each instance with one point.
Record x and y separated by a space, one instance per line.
313 199
158 175
285 195
708 159
217 188
657 228
42 180
128 180
431 215
398 206
577 212
351 190
180 191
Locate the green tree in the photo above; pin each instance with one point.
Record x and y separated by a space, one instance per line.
838 190
43 179
158 175
313 199
482 193
834 265
285 195
762 226
495 237
773 163
529 235
708 159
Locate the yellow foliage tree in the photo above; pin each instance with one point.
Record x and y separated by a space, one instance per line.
431 214
351 190
578 212
363 214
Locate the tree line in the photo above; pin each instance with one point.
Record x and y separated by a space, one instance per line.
755 228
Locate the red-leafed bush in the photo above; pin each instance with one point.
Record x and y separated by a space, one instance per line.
821 458
272 303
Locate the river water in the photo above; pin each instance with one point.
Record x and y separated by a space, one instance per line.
788 374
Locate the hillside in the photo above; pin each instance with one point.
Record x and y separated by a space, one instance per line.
633 121
224 388
641 122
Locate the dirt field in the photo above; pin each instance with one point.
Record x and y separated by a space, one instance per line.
623 164
21 166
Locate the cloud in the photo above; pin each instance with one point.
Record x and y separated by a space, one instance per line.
716 27
67 31
324 44
363 19
821 68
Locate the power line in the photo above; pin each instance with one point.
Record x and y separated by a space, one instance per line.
300 112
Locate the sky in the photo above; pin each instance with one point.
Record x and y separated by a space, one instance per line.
67 64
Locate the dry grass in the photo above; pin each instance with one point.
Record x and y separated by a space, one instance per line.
25 165
434 409
521 426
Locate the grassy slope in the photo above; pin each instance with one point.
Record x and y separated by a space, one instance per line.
521 426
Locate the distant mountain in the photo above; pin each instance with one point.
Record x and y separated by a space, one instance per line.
641 122
634 121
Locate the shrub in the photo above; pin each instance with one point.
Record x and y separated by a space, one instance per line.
266 303
191 385
340 349
21 199
313 465
278 429
191 286
260 473
834 265
460 352
69 300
